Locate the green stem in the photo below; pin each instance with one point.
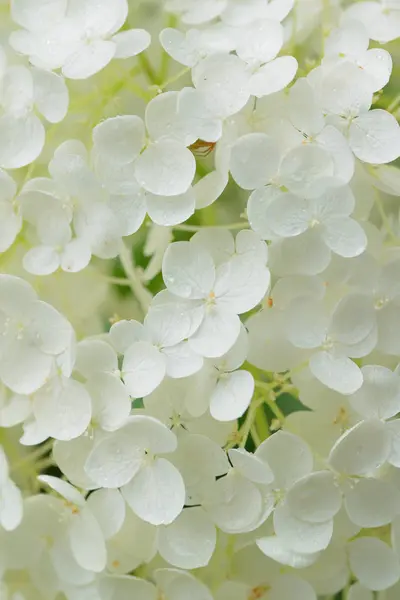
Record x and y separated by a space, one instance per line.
248 423
140 292
148 69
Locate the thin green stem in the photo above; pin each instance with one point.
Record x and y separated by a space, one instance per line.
118 281
248 423
148 69
140 292
33 456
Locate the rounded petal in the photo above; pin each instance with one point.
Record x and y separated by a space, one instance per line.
21 140
291 587
42 260
171 210
288 456
89 59
379 395
11 506
345 237
120 139
338 373
87 541
217 333
166 168
131 42
232 396
273 77
372 502
70 458
188 270
189 542
362 449
108 508
157 493
315 498
273 548
51 95
37 16
374 137
301 536
251 466
374 564
254 160
241 284
143 369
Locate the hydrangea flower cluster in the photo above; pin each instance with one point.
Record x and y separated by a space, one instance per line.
199 300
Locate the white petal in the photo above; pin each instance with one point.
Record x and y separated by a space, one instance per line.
166 168
11 506
51 95
219 243
362 449
393 428
110 399
125 333
182 361
120 139
375 137
151 434
291 587
254 160
273 76
87 541
63 488
71 457
157 493
188 270
189 542
372 503
209 188
21 140
95 356
338 373
301 536
288 456
64 409
143 369
131 42
38 16
261 41
379 395
171 210
345 237
251 466
224 80
114 460
273 548
374 564
378 63
315 498
24 369
288 215
217 333
108 508
89 59
42 260
232 396
240 284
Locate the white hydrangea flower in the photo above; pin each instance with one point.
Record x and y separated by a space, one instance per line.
11 503
81 38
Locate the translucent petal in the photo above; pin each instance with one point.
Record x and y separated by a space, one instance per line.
306 169
361 449
182 361
70 457
315 498
39 16
305 254
65 489
209 188
232 395
11 509
188 270
301 536
110 400
254 160
261 41
143 369
273 548
189 542
42 260
124 588
352 320
306 323
151 434
374 137
372 502
378 63
87 541
100 17
171 210
166 168
108 508
95 356
291 587
21 140
288 215
24 369
346 91
217 333
345 237
131 42
177 45
335 144
379 395
240 284
89 59
51 95
304 111
257 209
273 77
120 139
163 119
250 466
374 564
219 243
288 456
224 80
157 493
393 428
63 410
125 333
114 460
338 373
